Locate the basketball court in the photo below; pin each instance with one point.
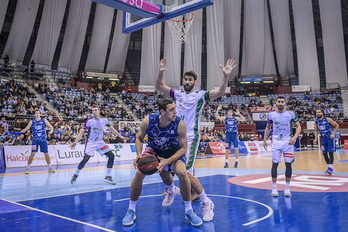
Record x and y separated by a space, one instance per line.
48 202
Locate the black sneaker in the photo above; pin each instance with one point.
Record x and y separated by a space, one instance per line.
226 165
236 164
73 179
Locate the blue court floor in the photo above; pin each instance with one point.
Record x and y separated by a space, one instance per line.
48 202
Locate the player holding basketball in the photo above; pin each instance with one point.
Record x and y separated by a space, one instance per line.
167 138
94 127
281 121
38 129
231 132
190 104
324 125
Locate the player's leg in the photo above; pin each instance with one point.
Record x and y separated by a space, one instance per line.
331 147
228 147
192 146
289 159
34 149
276 156
135 191
206 203
109 165
44 149
236 150
185 189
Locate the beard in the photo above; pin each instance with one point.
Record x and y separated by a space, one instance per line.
188 88
280 107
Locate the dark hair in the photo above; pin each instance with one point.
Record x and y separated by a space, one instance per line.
162 105
191 73
280 97
320 110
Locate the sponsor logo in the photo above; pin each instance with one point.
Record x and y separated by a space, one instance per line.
69 154
116 149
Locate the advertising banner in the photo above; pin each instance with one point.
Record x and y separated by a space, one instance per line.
66 155
17 156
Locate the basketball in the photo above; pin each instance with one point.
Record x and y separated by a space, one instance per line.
148 163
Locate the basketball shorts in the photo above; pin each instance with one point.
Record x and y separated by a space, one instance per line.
36 144
282 148
100 146
231 138
328 145
169 167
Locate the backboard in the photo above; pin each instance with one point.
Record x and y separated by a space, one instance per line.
138 14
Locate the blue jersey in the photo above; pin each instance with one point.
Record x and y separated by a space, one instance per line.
38 129
324 127
231 125
163 140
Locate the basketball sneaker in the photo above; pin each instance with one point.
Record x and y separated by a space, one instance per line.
236 164
73 179
287 192
226 165
50 170
329 171
109 180
207 210
128 220
169 198
274 192
26 171
165 192
195 220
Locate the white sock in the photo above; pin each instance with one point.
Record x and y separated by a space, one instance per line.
77 171
237 159
49 165
188 206
171 188
28 166
287 184
203 196
226 160
330 165
274 185
132 205
108 171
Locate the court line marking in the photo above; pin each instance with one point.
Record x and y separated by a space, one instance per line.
270 210
56 215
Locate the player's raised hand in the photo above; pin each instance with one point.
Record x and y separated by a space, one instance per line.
162 65
230 65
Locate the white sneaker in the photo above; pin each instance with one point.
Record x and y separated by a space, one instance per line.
26 171
50 170
287 192
108 179
274 193
207 211
169 198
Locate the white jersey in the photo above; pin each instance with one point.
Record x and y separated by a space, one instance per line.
282 124
94 129
189 107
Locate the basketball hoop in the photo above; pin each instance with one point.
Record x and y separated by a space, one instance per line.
179 26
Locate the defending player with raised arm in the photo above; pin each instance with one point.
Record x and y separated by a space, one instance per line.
281 121
189 103
94 127
327 129
231 129
167 140
38 129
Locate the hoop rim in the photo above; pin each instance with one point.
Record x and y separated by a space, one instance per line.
185 20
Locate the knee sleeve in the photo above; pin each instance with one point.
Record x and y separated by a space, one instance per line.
111 159
83 162
331 157
288 170
274 171
326 157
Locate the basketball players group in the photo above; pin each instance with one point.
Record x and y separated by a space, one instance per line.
173 136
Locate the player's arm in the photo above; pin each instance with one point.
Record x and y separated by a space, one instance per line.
139 138
78 137
217 116
115 132
183 147
335 126
316 134
160 86
241 118
227 70
27 127
48 124
266 134
297 133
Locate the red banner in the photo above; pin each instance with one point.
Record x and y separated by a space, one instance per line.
216 148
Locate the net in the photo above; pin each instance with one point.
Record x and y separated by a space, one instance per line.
179 26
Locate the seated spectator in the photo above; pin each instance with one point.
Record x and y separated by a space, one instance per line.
19 140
